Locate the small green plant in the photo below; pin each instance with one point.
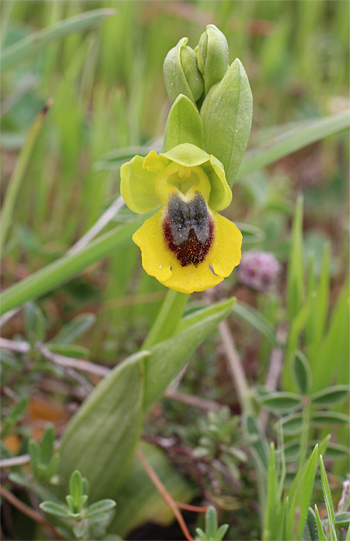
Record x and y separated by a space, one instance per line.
84 522
221 438
212 531
44 460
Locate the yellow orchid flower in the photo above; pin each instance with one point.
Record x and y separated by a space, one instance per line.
186 245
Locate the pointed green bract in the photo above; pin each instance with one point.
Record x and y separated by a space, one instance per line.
181 73
184 125
212 56
227 115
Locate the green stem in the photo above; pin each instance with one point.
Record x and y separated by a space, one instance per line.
18 174
167 319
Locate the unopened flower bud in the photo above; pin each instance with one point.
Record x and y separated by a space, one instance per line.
212 56
258 270
181 73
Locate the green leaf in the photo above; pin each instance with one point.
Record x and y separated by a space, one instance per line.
295 278
329 397
257 321
320 309
168 358
297 326
258 447
324 444
76 490
336 451
273 500
74 329
99 508
310 532
184 125
34 452
342 520
37 42
328 501
293 140
227 115
101 437
301 372
300 496
55 509
35 323
291 450
330 418
322 536
139 501
69 350
291 424
335 345
68 266
281 402
15 414
47 445
211 522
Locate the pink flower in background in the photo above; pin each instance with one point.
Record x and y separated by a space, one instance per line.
259 270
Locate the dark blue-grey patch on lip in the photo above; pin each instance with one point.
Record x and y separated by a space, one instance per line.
188 229
183 217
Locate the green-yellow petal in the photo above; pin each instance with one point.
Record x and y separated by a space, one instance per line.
137 186
191 156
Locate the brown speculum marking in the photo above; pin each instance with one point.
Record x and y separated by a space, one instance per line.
188 229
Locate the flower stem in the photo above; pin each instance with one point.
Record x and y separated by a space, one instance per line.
167 319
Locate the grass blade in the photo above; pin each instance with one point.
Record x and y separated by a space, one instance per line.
321 534
293 140
66 267
328 501
18 174
295 281
256 320
38 41
299 497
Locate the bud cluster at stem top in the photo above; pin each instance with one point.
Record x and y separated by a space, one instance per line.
194 72
212 103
